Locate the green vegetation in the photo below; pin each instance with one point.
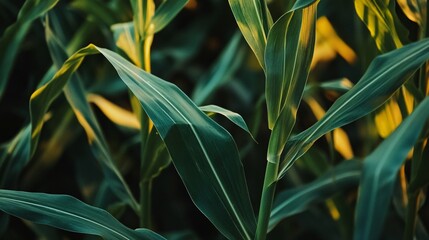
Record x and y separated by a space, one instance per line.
154 119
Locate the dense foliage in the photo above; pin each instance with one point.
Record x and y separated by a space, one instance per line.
155 119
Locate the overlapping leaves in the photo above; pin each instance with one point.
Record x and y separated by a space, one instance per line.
197 144
384 76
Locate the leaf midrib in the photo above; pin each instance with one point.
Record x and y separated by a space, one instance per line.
65 213
198 139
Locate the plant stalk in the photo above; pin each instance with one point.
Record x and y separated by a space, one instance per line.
143 47
269 188
146 204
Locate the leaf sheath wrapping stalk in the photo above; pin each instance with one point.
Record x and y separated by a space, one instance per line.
287 58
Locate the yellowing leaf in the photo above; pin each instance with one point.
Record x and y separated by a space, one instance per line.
415 10
115 113
378 16
388 119
329 44
123 33
409 99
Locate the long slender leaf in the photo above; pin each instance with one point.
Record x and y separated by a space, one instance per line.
288 56
214 180
286 65
384 76
166 12
297 200
68 213
380 172
76 97
15 34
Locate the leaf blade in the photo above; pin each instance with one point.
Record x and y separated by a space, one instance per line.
15 34
68 213
296 200
384 76
288 57
380 171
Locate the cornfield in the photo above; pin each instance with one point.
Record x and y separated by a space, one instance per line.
155 119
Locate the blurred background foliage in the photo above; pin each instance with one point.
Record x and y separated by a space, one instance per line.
203 53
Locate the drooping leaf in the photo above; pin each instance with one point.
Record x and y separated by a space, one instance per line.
232 116
76 97
380 171
383 77
15 34
297 200
214 180
165 12
68 213
287 59
249 17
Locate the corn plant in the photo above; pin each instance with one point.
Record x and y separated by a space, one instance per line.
76 106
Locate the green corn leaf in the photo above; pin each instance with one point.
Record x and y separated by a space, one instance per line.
380 18
166 12
234 117
68 213
383 77
380 171
250 19
297 200
143 11
287 58
76 97
224 68
17 155
15 34
214 180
